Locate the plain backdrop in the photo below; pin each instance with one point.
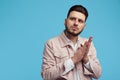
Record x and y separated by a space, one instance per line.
25 26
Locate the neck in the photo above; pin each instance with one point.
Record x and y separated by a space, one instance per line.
71 37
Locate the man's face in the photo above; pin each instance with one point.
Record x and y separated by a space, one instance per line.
75 23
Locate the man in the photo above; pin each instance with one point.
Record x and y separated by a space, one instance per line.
69 56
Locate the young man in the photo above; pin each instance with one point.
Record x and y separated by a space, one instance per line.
69 56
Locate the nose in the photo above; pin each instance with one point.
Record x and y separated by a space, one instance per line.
76 23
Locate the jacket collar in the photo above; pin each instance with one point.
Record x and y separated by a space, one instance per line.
65 41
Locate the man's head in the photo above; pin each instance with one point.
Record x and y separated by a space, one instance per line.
78 8
76 17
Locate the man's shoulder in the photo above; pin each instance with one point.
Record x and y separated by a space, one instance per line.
54 43
53 39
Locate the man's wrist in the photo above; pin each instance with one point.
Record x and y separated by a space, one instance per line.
74 60
85 60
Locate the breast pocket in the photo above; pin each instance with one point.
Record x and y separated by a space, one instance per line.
60 56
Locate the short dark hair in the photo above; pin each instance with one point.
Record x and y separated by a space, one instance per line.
78 8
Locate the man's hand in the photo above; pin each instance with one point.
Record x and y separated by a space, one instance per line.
87 46
81 53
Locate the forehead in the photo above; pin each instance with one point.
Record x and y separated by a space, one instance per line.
78 15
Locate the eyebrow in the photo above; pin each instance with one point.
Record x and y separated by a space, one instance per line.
75 18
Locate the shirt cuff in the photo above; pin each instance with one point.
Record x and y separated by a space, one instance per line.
69 65
87 65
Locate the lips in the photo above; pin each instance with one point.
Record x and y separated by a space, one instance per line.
75 28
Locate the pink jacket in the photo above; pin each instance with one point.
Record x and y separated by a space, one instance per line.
57 51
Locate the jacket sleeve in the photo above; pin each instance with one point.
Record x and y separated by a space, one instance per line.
94 64
50 69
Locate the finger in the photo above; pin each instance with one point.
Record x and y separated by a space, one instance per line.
86 44
90 39
86 47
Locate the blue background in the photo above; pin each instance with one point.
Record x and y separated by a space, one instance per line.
25 25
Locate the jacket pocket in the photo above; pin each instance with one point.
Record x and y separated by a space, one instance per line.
60 56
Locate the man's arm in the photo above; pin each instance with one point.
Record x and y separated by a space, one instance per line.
95 67
50 69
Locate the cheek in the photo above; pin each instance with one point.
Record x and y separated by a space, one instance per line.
69 24
81 28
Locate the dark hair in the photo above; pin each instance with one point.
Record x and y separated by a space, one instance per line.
78 8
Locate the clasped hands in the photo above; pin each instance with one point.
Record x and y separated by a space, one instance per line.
81 53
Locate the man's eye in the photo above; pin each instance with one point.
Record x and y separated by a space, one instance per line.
72 18
81 21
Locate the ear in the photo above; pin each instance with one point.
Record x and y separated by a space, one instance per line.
84 25
65 22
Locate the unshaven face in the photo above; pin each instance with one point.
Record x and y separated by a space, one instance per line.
75 23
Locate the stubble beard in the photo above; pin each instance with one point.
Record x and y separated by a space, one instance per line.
71 33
